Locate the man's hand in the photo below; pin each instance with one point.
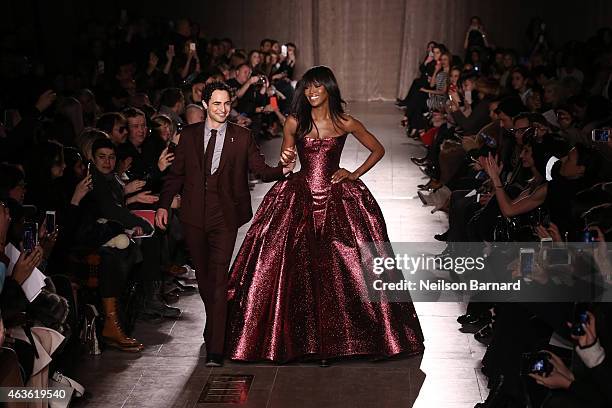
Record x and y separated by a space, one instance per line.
134 186
161 218
26 264
176 202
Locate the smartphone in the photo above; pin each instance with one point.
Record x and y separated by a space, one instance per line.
100 67
284 50
536 363
192 46
468 97
274 102
171 147
50 225
580 319
526 261
478 197
600 135
30 236
88 167
557 256
590 236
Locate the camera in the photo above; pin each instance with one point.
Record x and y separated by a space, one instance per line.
536 363
261 81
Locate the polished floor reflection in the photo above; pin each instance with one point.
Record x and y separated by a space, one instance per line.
171 371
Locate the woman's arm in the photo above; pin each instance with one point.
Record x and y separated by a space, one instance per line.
377 151
521 205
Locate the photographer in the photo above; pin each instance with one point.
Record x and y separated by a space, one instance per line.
250 91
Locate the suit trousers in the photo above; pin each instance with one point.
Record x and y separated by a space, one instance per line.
211 251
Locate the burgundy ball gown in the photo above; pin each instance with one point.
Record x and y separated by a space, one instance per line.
297 285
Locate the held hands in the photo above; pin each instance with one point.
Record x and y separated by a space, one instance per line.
343 174
288 158
560 377
134 186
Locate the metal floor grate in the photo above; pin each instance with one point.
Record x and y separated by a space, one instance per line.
226 389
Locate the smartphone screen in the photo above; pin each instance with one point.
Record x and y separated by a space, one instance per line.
192 46
284 50
527 256
30 236
600 135
50 225
274 102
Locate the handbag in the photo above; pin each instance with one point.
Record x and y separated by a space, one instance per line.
73 389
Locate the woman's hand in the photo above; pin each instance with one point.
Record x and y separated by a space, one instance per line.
492 168
134 186
551 232
176 202
342 174
560 377
47 243
144 197
26 264
165 160
82 188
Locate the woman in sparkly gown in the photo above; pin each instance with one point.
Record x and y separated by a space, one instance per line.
298 289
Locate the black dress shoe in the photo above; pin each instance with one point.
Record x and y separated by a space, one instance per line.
324 363
441 237
419 161
468 319
214 360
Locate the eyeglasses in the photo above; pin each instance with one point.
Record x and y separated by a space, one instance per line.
520 130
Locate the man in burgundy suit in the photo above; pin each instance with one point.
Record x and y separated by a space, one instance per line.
215 201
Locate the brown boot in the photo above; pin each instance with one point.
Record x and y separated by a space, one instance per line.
112 332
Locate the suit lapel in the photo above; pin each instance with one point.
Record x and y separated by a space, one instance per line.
199 144
227 146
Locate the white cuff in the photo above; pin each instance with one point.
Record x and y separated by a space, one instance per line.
592 356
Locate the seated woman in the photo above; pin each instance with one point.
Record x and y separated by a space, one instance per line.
533 157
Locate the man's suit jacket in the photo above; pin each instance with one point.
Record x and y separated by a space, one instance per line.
186 175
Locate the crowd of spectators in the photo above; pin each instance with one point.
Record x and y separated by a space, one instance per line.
519 156
83 153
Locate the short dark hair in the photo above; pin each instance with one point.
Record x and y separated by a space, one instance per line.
107 121
265 40
10 176
102 144
132 112
170 97
212 87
